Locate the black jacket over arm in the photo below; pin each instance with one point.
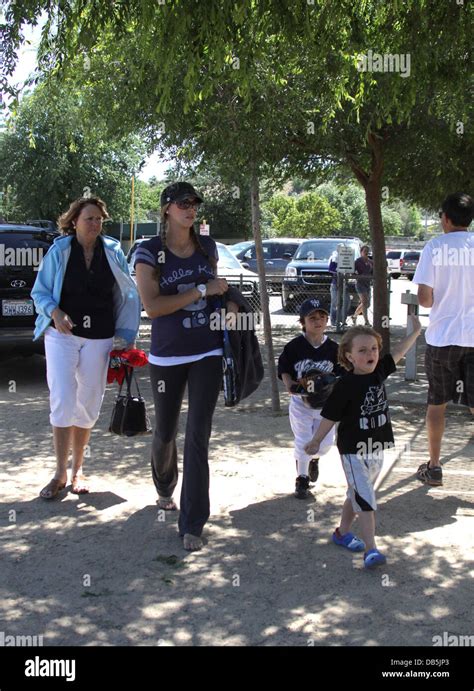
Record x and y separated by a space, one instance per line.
245 350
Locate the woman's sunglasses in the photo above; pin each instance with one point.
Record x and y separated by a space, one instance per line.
185 204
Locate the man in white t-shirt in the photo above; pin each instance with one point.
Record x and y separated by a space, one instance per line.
445 278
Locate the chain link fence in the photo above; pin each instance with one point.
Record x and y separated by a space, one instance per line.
287 295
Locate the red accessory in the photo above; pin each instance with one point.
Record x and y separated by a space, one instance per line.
120 359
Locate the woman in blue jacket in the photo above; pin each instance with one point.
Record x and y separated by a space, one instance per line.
84 297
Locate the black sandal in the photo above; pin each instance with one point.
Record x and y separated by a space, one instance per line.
166 504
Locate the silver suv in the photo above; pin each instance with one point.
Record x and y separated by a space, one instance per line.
395 262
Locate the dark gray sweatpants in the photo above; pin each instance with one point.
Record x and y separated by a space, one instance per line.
204 378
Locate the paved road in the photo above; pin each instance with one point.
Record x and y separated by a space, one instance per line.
398 311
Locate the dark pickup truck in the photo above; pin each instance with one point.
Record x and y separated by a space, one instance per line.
308 275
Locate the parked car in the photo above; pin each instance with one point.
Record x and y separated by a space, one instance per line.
409 263
307 275
240 246
277 253
22 248
395 262
229 268
42 223
237 275
131 252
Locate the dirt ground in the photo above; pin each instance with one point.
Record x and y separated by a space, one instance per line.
104 569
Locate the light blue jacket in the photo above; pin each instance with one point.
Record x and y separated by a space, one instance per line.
46 291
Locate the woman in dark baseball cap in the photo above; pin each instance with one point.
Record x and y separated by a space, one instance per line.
179 191
176 275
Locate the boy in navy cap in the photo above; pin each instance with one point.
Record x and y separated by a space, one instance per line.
311 350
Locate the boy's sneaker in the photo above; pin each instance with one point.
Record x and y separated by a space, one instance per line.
349 541
302 487
313 470
373 558
430 476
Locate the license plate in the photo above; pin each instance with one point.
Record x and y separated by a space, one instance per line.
17 308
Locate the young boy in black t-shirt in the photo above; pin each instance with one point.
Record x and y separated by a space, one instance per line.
309 351
359 403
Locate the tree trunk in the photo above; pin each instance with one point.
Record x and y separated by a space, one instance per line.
372 184
267 326
381 297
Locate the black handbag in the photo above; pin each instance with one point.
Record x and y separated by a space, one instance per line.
129 416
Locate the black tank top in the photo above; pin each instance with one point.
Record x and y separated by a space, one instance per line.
87 294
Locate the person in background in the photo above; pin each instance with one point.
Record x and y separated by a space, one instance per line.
364 268
333 310
445 278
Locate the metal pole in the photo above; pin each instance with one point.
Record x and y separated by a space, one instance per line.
411 301
132 211
338 301
344 299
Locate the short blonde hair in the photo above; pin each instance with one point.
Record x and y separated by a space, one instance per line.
348 339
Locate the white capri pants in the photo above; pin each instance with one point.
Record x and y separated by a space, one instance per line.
76 370
304 422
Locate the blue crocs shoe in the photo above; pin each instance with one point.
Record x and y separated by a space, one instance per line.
373 558
350 541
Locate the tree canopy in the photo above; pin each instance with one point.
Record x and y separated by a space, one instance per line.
377 90
50 155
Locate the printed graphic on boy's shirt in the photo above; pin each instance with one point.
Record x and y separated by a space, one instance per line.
198 318
304 366
374 402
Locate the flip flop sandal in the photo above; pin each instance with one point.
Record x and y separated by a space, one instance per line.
52 489
166 504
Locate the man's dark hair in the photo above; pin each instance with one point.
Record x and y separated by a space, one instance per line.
459 208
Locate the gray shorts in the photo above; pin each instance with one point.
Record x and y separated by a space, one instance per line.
361 473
